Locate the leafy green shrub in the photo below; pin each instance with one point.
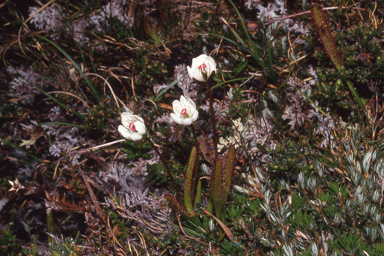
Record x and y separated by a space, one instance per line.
8 244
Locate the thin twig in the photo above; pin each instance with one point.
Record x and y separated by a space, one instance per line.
101 146
87 149
249 79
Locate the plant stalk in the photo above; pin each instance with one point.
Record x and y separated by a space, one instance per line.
360 100
168 169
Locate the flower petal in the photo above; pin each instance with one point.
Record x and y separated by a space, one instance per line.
125 132
136 137
183 101
186 121
177 107
138 118
211 61
191 103
177 118
125 118
140 127
195 115
196 73
202 57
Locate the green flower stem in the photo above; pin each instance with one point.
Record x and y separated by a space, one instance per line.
212 119
195 137
360 100
168 87
229 81
50 226
168 169
311 101
22 150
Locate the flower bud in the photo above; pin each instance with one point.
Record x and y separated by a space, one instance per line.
203 68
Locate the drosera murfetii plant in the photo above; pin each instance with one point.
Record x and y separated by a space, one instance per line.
304 156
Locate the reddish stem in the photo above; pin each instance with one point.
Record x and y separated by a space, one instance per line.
212 119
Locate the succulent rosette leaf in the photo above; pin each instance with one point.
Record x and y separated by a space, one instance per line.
203 68
185 112
133 127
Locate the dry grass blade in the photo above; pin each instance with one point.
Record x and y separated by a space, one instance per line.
110 87
93 197
115 241
222 225
70 94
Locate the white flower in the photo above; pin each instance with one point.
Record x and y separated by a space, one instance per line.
133 127
15 185
203 67
185 111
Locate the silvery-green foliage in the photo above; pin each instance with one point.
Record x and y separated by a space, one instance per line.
350 205
211 225
311 184
267 198
379 167
372 233
319 168
260 174
278 217
381 230
268 112
273 97
372 210
337 219
339 197
368 182
263 187
370 155
301 180
365 209
288 250
311 226
315 250
241 189
283 213
360 195
356 178
377 218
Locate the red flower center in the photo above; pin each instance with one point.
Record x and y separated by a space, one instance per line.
132 127
183 112
202 66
